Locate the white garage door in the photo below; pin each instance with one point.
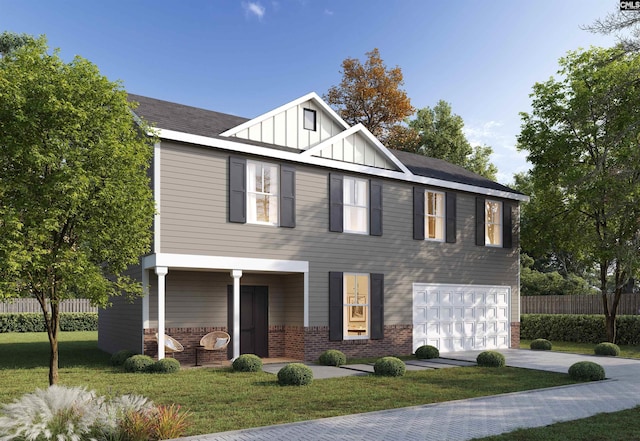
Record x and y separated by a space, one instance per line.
460 317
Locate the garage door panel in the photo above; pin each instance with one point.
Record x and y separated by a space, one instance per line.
461 317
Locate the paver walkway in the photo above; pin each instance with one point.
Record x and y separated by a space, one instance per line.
476 417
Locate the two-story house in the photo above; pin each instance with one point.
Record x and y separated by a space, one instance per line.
297 233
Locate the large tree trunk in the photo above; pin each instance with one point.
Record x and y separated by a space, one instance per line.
52 330
610 326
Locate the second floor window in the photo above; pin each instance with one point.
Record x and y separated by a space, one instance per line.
434 215
262 193
493 223
356 205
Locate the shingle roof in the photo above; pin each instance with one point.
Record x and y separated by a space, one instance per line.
197 121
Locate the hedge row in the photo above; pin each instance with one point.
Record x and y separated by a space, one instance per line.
580 328
34 322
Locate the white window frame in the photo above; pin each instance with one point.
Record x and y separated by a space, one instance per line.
273 196
357 205
366 333
488 225
438 216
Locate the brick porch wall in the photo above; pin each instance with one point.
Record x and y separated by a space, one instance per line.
515 335
398 340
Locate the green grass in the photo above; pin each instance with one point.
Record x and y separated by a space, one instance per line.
220 399
616 426
626 351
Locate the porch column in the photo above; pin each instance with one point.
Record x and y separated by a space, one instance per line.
161 272
236 274
145 300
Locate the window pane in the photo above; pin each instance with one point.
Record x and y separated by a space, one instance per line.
349 191
493 223
434 216
262 193
361 193
309 119
356 305
355 219
251 176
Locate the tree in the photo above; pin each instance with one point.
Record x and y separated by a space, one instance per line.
617 23
370 94
582 139
10 41
75 201
440 135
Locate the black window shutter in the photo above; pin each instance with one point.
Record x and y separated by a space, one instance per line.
375 208
480 210
287 196
335 203
418 213
237 189
507 226
336 306
377 306
450 206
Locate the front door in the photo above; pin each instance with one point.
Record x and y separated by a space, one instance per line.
254 320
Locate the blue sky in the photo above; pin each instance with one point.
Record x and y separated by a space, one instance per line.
248 57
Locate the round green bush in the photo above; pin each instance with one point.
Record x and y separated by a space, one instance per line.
389 367
247 363
121 356
138 363
540 344
426 352
607 349
490 359
332 357
166 366
586 371
295 374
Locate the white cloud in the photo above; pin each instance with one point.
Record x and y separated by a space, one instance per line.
503 142
254 8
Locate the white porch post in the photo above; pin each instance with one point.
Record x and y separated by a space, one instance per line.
306 299
145 299
161 272
236 274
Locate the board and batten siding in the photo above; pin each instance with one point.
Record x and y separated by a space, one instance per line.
294 135
194 221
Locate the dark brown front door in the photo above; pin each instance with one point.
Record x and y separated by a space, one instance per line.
254 320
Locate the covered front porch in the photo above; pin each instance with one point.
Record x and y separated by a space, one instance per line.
263 304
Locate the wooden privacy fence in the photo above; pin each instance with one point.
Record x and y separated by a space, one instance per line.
586 304
32 305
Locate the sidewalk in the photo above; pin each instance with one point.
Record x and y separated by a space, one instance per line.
472 418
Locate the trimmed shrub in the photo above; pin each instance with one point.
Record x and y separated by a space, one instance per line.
121 356
247 363
607 349
579 328
166 366
295 374
586 371
138 363
426 352
540 344
389 367
490 359
34 322
332 357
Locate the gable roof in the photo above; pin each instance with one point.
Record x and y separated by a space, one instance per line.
208 128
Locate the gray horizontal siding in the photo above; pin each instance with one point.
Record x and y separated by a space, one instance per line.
194 221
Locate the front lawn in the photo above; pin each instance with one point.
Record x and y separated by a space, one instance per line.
220 400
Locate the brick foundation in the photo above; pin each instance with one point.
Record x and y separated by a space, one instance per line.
294 342
515 335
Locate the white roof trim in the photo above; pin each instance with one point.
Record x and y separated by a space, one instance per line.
197 261
236 145
367 134
310 96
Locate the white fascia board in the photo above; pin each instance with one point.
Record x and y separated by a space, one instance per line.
359 128
310 96
203 262
239 147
